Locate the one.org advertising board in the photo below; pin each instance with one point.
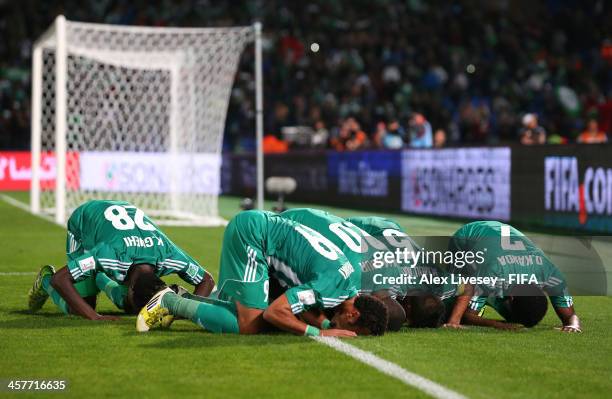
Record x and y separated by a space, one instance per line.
150 172
459 182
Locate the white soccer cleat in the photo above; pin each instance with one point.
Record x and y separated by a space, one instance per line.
154 315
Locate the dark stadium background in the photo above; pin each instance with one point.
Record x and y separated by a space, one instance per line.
378 61
349 83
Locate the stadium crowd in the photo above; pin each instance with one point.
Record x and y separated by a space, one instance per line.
378 74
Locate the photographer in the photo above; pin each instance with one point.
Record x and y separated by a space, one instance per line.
532 133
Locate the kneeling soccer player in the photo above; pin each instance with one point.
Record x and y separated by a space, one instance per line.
357 245
508 253
109 244
315 271
423 304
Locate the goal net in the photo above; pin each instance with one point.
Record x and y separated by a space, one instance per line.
132 113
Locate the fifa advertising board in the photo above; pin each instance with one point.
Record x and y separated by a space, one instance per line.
563 186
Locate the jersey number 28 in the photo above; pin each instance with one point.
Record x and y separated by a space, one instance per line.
121 220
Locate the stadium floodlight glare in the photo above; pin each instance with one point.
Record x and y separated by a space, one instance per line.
137 114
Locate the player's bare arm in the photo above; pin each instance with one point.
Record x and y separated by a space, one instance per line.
471 317
460 307
205 287
316 318
63 282
569 319
279 314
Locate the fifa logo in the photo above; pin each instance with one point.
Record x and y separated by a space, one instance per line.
566 191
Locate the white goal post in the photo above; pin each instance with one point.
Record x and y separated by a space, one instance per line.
137 114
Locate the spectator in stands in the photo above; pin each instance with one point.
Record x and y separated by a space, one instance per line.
272 144
339 138
320 135
439 138
532 133
379 135
350 136
358 139
420 132
474 120
593 135
394 136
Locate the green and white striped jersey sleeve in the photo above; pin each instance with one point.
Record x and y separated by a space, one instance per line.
74 248
327 291
562 301
556 287
101 258
81 267
187 269
477 303
304 297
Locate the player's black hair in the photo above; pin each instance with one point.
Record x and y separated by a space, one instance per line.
144 287
373 314
426 309
528 305
397 315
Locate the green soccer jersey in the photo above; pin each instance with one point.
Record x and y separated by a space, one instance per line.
352 241
313 269
110 236
511 258
392 236
395 237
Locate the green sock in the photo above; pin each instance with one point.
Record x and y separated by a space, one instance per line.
46 282
214 315
55 296
113 290
197 297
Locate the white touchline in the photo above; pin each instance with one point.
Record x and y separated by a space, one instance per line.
24 207
17 273
14 202
386 367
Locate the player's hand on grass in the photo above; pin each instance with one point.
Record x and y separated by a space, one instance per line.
570 324
569 329
454 326
106 318
336 332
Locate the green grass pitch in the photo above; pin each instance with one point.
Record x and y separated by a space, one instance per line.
109 359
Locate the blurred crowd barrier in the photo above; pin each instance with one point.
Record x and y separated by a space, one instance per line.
567 187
